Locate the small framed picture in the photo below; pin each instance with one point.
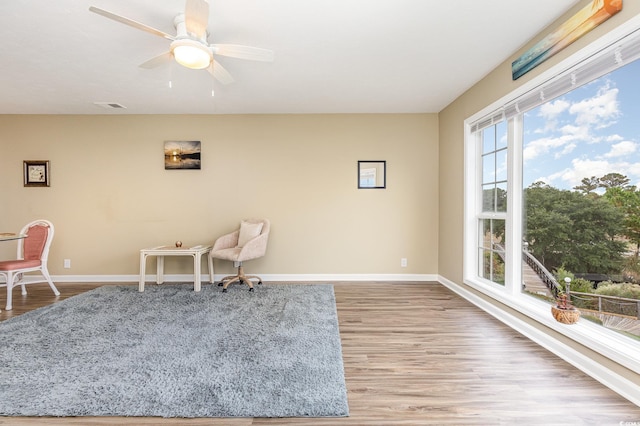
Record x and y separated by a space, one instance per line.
372 174
36 173
183 155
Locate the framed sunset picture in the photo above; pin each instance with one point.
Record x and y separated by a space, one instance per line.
182 155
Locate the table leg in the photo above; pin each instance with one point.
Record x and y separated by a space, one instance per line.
197 260
143 262
160 270
211 274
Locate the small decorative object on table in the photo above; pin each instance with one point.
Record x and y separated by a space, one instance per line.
178 243
564 311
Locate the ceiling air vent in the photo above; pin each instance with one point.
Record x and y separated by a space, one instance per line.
110 105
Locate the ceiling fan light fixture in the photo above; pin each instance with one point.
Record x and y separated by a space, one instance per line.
191 54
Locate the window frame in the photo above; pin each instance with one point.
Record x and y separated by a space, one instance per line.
493 214
620 349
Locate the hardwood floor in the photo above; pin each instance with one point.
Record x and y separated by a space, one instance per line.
417 354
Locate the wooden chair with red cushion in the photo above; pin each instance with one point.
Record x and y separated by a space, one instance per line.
33 252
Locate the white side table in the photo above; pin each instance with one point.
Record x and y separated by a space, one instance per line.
9 236
161 251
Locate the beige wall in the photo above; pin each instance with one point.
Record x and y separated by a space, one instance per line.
110 195
493 87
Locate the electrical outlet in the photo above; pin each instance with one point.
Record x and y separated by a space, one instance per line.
67 263
403 262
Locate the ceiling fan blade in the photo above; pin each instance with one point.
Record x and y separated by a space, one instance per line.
157 61
243 52
131 22
196 16
219 73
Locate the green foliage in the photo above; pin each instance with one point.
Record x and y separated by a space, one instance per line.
608 181
631 269
577 284
627 290
588 185
627 200
561 273
493 267
573 230
614 180
581 285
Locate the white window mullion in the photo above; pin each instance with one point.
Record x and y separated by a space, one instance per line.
513 267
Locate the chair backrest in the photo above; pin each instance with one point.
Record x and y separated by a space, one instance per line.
258 246
37 242
266 225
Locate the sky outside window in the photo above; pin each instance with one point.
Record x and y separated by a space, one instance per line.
591 131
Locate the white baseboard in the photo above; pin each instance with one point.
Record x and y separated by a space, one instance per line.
608 377
265 277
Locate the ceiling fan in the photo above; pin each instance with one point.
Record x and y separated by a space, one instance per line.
189 47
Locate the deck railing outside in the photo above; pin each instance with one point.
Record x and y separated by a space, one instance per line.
606 304
546 276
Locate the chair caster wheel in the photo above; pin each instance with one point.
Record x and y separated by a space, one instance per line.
220 284
251 289
224 290
259 282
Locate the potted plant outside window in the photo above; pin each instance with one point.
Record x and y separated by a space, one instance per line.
564 311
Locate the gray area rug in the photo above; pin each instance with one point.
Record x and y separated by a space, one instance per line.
171 352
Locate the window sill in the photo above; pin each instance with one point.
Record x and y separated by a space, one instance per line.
618 348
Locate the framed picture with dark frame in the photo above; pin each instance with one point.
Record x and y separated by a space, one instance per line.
36 173
372 174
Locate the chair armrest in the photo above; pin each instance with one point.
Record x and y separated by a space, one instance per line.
254 248
226 241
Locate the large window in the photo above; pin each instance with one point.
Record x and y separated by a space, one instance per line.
581 174
553 187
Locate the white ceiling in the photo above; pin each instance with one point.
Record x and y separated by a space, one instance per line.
332 56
